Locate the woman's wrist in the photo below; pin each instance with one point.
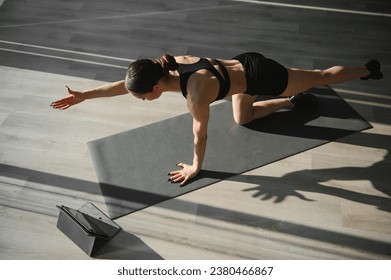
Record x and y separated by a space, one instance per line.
85 94
196 167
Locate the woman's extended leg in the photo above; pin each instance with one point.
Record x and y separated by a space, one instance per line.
245 108
302 80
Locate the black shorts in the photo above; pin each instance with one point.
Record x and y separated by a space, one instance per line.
264 76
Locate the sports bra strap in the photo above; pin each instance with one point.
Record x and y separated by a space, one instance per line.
225 83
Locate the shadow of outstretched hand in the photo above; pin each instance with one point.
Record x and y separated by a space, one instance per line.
279 194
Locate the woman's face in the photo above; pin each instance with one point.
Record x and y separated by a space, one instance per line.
155 94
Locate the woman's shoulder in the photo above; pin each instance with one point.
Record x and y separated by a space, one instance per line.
186 59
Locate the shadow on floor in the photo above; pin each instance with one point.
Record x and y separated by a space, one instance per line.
126 246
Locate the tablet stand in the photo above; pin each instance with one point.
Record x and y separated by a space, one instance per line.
91 232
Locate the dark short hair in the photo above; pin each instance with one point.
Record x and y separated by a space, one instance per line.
143 74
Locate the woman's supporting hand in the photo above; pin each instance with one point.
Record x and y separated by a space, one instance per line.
73 98
183 175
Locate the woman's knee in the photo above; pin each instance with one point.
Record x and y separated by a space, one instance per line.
242 119
242 105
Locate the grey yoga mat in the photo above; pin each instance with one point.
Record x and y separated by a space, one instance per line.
132 166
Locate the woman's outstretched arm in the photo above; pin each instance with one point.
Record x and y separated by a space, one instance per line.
75 97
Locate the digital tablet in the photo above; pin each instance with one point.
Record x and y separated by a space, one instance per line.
84 220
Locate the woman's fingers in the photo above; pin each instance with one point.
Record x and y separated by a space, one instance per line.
61 104
64 107
69 90
175 176
73 98
187 178
182 176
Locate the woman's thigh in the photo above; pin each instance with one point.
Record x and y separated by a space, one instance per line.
302 80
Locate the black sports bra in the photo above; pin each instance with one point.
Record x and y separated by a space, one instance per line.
186 70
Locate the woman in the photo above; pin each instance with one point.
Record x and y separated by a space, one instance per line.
203 81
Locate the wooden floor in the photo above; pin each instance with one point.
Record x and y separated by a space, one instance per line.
331 202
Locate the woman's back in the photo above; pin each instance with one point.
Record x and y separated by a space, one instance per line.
206 80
